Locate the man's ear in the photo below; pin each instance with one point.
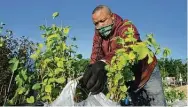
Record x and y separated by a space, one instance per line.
113 17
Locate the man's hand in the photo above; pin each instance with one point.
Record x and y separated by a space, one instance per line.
95 77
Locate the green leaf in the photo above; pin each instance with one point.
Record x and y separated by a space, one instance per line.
113 89
79 56
151 40
128 23
66 30
21 90
142 50
109 74
19 81
12 60
130 30
120 40
45 80
36 86
158 50
122 96
48 88
149 43
27 92
166 52
23 72
54 27
57 70
1 41
42 27
53 36
58 47
121 82
40 46
56 59
121 62
120 51
30 100
47 97
47 60
49 32
112 61
34 56
63 46
14 64
118 76
60 64
108 96
51 80
60 80
10 102
50 74
130 39
123 88
55 14
132 56
150 57
62 59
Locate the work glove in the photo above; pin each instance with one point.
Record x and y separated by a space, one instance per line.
94 78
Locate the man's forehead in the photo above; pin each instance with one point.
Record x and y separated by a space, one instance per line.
100 14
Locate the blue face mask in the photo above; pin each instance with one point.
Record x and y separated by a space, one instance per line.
105 31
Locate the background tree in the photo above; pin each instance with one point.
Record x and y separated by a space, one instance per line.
11 47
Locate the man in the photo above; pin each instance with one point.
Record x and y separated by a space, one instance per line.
147 87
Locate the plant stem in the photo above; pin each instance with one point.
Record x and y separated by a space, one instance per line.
8 88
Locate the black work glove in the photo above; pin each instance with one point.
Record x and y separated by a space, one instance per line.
132 87
94 78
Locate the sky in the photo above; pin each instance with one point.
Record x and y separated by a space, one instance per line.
166 19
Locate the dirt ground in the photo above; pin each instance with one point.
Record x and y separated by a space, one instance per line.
184 89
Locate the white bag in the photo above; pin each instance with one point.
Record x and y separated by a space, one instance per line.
67 95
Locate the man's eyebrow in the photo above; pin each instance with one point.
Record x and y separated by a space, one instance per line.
95 22
100 20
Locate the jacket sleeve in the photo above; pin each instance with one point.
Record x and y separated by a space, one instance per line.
121 33
96 53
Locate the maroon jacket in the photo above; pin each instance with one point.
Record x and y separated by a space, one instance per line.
105 49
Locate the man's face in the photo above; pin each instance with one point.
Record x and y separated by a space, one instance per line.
102 18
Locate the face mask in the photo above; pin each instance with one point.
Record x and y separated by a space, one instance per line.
105 31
